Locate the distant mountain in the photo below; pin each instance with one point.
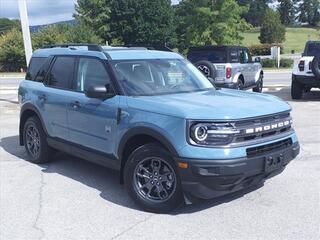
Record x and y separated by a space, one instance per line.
38 28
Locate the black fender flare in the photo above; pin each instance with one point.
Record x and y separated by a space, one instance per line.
25 108
145 131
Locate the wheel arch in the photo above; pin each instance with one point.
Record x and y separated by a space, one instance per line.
137 137
28 110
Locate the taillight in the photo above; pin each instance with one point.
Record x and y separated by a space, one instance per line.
228 72
301 66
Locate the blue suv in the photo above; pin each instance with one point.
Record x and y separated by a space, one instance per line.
154 117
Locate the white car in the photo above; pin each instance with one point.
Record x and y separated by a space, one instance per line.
306 74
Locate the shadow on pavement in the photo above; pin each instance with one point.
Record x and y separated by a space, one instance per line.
285 94
104 179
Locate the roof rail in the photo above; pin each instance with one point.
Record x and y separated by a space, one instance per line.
91 47
150 47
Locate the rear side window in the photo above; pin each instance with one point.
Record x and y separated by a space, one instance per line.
61 72
34 67
234 58
214 55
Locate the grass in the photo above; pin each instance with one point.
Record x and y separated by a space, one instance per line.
295 38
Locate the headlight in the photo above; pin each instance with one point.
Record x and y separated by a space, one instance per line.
207 134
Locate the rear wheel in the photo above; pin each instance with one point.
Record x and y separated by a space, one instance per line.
152 180
35 141
240 84
297 89
259 86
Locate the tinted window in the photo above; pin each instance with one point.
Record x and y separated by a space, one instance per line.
34 66
234 56
214 56
90 72
313 49
61 72
40 76
244 56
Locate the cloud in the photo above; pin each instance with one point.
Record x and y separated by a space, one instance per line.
42 11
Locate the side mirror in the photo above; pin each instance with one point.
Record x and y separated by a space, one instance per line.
99 92
257 59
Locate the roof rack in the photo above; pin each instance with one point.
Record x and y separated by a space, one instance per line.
91 47
149 47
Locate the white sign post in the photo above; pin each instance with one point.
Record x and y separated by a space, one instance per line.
25 29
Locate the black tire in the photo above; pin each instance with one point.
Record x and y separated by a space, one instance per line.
134 179
315 66
206 68
34 127
240 84
259 87
297 89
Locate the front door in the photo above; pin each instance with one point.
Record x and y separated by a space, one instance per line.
92 122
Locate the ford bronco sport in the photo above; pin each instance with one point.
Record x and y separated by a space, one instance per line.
306 74
154 117
228 66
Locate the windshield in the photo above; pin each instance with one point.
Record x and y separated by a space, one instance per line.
213 55
159 76
313 49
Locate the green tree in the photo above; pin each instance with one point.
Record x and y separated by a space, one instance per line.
256 11
96 15
272 30
142 21
12 56
287 11
7 24
309 12
129 21
65 33
215 22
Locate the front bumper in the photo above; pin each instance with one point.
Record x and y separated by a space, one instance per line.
310 81
213 178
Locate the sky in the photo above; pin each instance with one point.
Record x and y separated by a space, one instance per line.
42 11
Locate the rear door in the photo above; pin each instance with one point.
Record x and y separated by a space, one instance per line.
54 97
92 122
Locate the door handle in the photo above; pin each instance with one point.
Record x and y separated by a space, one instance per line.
42 97
76 104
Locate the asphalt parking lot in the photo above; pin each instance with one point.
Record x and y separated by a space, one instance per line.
74 199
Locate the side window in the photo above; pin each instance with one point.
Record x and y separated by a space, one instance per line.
34 66
61 72
234 56
244 57
90 72
40 77
248 55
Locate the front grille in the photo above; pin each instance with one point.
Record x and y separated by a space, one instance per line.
255 151
263 122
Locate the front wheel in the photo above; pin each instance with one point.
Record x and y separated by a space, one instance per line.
152 180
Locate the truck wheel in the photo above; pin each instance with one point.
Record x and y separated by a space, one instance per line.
259 86
35 141
315 66
297 89
151 179
239 85
206 68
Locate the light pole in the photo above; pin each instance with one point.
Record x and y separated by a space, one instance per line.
25 29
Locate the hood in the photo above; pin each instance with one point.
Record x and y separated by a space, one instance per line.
211 105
